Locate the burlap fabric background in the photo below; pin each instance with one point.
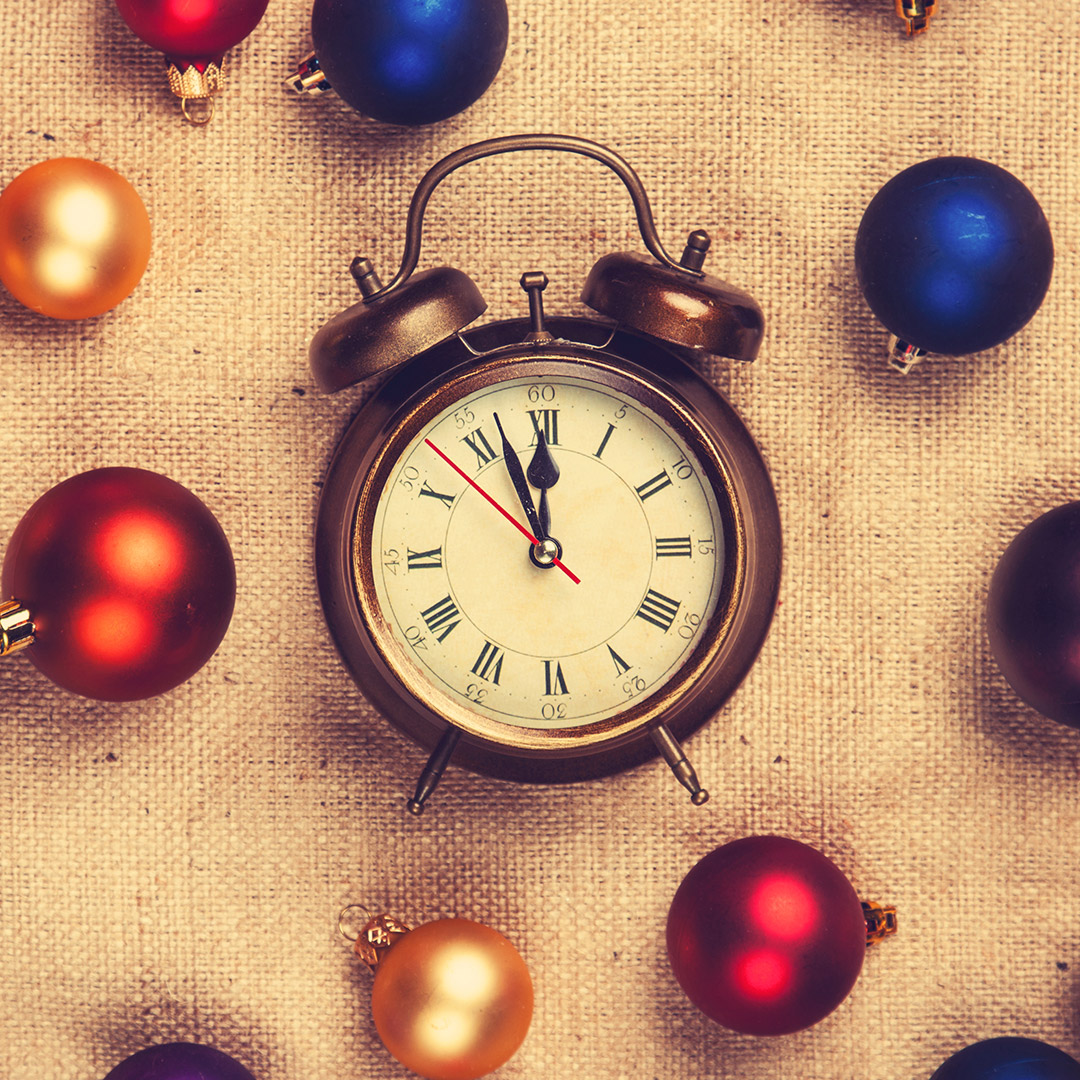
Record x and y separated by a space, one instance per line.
172 869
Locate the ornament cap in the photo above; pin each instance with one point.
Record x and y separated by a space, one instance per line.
902 356
678 305
387 328
196 83
378 934
916 14
17 628
880 921
308 77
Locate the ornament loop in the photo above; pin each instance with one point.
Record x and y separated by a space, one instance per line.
346 920
203 115
509 144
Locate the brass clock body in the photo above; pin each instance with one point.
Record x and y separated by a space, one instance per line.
676 592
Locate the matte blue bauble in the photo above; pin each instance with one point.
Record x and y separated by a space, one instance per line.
179 1061
1009 1059
954 255
410 61
1033 614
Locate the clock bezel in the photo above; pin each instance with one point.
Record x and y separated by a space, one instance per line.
646 372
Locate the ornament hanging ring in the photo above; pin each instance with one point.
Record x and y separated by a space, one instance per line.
507 144
344 924
203 115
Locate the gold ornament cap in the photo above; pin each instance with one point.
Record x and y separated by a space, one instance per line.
199 83
377 934
17 628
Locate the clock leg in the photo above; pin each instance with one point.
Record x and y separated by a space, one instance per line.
673 753
433 770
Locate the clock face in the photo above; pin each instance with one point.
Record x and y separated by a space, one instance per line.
493 638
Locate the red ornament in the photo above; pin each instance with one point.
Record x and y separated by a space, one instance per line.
194 35
767 936
128 582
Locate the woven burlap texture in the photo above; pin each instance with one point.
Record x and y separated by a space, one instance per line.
172 869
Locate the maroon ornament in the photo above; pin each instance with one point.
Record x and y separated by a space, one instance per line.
194 35
122 581
1033 614
766 936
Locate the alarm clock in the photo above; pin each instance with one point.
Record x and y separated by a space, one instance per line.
547 548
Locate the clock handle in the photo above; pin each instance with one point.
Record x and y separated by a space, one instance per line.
507 144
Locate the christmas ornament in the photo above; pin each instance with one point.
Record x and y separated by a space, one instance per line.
451 1000
766 936
404 61
74 238
1009 1059
954 256
179 1061
1033 614
122 581
592 633
194 36
916 14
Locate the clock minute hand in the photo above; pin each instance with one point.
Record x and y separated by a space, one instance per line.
517 478
543 473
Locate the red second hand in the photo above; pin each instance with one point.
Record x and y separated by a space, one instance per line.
509 517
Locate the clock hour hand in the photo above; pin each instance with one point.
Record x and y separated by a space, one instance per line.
543 473
517 478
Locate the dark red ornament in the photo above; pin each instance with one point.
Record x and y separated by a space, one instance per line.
126 584
1033 614
194 35
767 936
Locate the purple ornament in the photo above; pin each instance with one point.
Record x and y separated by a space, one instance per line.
1033 614
179 1061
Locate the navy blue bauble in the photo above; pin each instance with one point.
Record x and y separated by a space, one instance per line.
954 255
179 1061
1033 614
410 61
1009 1059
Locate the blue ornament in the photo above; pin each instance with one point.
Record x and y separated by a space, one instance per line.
1009 1059
179 1061
954 255
409 61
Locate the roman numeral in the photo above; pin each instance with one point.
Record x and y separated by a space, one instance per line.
424 560
669 546
603 441
621 666
478 444
657 483
547 421
427 489
489 660
554 683
442 615
658 609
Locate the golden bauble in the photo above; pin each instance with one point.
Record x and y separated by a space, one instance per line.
452 1000
74 238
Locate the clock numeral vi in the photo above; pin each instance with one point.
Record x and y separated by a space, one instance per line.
554 683
443 616
658 609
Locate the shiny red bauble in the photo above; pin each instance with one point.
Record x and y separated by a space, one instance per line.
192 30
1033 614
766 935
129 581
